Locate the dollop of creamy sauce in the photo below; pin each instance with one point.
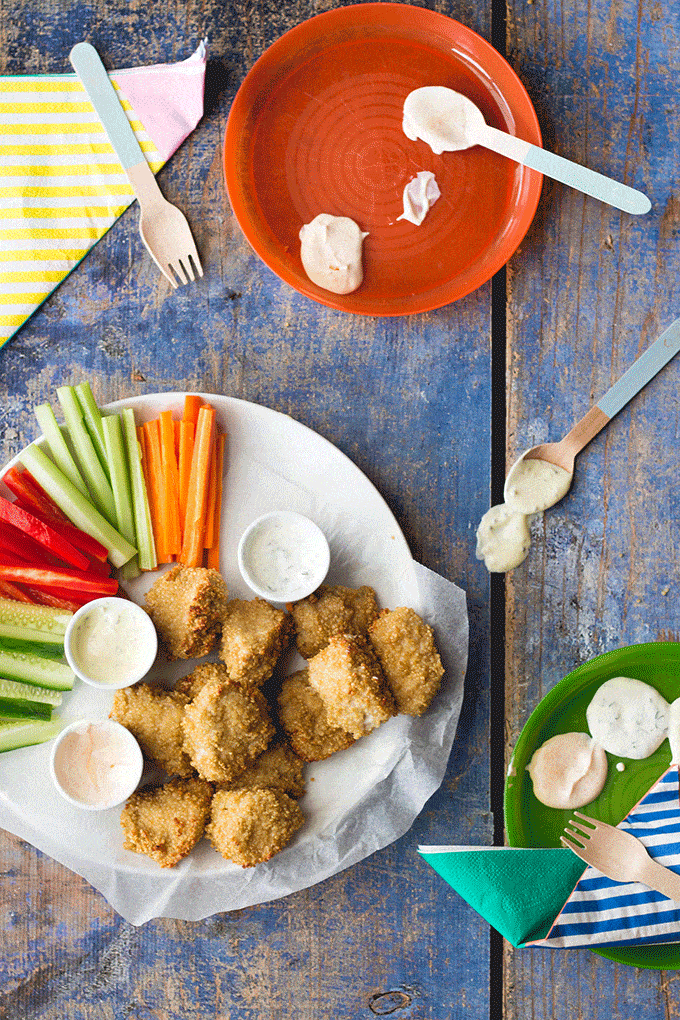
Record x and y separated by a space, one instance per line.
503 536
331 252
438 116
628 717
284 557
534 485
111 643
674 730
568 771
97 765
503 539
419 196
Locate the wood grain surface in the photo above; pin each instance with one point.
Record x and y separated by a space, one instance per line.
410 401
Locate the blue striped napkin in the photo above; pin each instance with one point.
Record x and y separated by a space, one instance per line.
601 912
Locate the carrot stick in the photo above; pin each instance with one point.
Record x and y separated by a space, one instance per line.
170 481
175 426
212 557
197 495
192 405
155 489
186 449
212 492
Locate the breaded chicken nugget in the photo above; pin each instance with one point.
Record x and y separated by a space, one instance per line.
333 609
186 605
350 681
278 768
195 681
154 716
302 714
166 822
253 636
225 727
250 826
405 647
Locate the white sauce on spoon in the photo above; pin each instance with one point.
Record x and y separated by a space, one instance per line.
568 771
628 717
503 537
437 115
419 196
331 252
534 485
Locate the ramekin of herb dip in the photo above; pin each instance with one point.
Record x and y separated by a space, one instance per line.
283 556
110 643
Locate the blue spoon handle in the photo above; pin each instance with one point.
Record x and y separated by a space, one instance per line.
641 371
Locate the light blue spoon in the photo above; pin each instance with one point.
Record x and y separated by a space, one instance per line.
449 121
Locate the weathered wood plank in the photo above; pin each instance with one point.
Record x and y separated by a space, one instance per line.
590 290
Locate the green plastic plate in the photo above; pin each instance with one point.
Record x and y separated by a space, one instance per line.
563 710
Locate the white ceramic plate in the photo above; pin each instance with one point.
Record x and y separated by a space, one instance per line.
271 462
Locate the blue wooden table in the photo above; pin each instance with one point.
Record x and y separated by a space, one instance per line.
431 408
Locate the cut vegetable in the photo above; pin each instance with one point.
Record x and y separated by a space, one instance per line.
88 461
93 421
197 496
60 577
33 623
140 503
14 735
212 556
16 689
78 509
156 490
170 481
14 708
186 449
120 476
41 533
33 669
58 448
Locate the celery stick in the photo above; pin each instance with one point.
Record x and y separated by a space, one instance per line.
15 708
22 734
140 500
93 421
88 461
24 622
58 448
130 570
75 506
34 670
17 689
120 476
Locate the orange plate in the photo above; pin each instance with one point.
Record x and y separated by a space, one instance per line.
316 127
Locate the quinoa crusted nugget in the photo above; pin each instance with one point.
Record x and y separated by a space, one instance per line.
225 727
195 681
405 647
332 609
166 822
253 636
302 714
249 826
186 605
350 681
154 716
277 768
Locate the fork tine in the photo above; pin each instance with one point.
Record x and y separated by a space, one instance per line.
582 830
587 818
178 270
571 846
187 267
196 261
166 273
576 836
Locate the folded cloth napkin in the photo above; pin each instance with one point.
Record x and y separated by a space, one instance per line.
522 891
61 185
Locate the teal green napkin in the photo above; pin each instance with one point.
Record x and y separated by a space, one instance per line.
519 890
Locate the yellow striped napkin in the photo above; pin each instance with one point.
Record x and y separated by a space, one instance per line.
61 185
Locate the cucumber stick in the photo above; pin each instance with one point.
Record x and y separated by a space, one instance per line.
58 447
42 624
23 734
78 509
86 455
19 691
33 669
17 708
119 474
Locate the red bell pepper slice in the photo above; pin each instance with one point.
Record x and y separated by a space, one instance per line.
59 577
14 592
42 533
48 598
33 498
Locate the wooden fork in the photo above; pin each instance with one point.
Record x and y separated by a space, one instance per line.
163 227
619 855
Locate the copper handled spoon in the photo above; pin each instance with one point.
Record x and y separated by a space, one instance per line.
563 454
